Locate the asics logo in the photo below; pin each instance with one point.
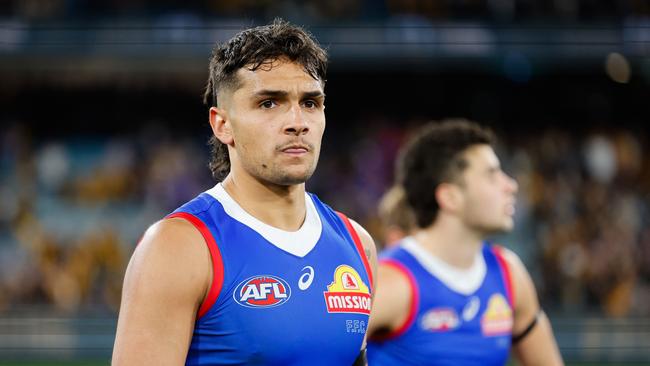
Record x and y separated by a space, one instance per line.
471 309
307 278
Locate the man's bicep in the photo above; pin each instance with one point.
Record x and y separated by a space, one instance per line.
525 295
163 287
370 252
392 301
369 248
537 345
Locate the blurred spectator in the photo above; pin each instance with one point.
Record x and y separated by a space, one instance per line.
395 215
320 10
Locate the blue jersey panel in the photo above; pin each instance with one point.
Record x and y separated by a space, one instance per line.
276 308
450 328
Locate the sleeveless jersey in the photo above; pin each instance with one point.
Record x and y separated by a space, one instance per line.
449 326
278 297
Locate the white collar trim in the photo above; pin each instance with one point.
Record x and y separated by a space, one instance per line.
463 281
298 243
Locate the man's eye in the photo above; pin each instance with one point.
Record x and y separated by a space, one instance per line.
267 104
310 104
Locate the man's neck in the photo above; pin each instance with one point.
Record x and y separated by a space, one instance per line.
450 241
282 207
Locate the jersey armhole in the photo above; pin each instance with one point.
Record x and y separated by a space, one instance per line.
414 303
505 273
359 246
215 256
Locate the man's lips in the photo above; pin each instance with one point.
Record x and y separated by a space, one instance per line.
295 149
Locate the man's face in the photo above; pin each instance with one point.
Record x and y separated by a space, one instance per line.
489 193
277 117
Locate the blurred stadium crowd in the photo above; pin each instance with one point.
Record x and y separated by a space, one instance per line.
72 210
102 133
319 10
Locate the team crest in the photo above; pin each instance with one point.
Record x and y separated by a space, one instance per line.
347 293
497 319
263 291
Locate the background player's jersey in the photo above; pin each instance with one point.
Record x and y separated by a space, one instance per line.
278 297
456 318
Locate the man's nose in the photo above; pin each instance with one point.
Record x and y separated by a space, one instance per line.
513 186
297 122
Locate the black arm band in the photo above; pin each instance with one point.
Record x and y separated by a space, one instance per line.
361 360
522 335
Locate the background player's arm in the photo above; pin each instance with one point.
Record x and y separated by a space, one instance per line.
391 304
538 347
167 278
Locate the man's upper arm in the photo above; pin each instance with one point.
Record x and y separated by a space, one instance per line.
369 248
391 304
538 347
392 295
165 282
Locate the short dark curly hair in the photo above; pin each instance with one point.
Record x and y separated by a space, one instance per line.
253 48
434 156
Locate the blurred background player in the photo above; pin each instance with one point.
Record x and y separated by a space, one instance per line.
448 297
214 282
395 215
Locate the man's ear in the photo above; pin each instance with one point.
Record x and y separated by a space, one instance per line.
449 197
221 125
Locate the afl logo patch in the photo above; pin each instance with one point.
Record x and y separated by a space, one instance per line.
262 291
440 320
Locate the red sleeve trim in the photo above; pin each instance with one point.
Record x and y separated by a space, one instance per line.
217 262
415 299
505 272
359 245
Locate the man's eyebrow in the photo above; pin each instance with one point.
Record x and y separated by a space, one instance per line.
271 93
313 94
283 94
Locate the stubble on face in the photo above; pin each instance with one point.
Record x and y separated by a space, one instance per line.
265 148
279 172
489 208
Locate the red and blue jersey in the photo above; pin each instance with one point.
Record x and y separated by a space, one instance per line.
457 317
278 297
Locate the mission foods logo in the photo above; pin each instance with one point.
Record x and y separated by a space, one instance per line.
262 291
347 293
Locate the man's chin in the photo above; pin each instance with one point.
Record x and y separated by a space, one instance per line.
499 229
291 179
506 228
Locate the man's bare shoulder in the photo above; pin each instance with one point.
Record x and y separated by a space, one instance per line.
165 282
525 296
171 232
395 281
369 247
512 259
524 287
173 249
392 301
366 239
